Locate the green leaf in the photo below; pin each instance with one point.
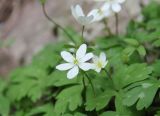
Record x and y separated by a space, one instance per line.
69 98
3 85
114 57
42 1
132 42
49 56
109 113
106 43
121 108
156 66
58 79
79 114
98 101
129 74
143 94
4 105
158 113
31 82
141 50
153 24
148 11
47 110
127 52
156 43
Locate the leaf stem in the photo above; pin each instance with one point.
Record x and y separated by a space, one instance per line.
90 83
117 23
56 24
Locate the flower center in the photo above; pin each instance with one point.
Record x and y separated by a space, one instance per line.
76 61
99 64
100 12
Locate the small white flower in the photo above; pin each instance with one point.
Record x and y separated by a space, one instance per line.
79 15
101 13
115 5
75 62
99 62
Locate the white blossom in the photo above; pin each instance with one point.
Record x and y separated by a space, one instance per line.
99 62
74 63
79 15
115 5
101 13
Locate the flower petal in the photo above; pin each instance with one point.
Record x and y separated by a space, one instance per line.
121 1
73 72
106 9
116 7
65 66
97 16
98 70
85 20
79 10
81 51
104 64
95 59
82 20
68 57
86 66
102 56
106 6
87 57
93 13
74 12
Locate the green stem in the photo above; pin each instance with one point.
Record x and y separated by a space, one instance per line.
117 23
108 74
90 83
56 24
83 28
83 81
107 28
84 89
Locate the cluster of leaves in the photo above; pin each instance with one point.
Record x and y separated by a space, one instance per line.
133 89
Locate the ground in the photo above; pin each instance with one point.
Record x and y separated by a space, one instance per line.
24 22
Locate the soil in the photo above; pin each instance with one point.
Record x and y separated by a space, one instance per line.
24 22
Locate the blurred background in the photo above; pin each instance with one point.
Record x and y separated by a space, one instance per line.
22 23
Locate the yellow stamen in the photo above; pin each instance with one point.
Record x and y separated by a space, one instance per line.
75 61
99 64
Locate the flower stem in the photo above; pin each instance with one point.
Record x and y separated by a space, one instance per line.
90 83
84 89
56 24
106 26
83 81
83 28
108 74
117 23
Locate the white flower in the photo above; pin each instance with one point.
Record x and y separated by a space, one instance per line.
75 62
79 15
99 62
115 5
101 13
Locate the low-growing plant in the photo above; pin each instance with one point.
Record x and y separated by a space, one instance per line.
118 75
